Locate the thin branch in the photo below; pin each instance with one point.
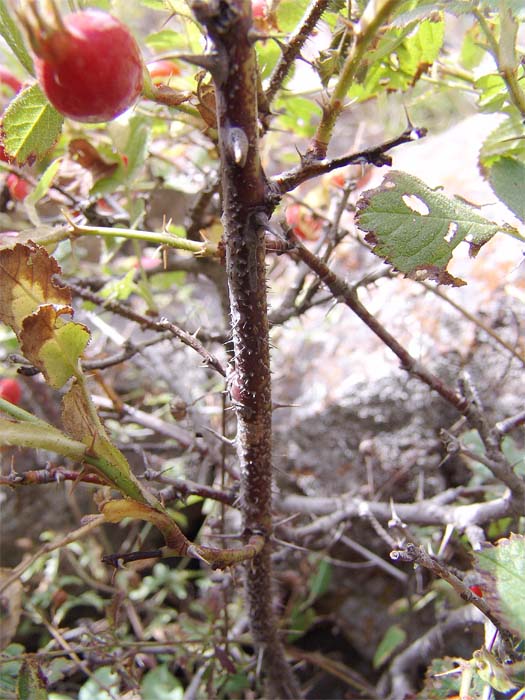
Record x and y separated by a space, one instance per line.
292 49
474 319
403 670
416 554
344 293
161 326
335 510
375 155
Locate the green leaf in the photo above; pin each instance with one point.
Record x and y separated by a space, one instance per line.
416 229
392 639
44 437
31 126
104 684
320 581
160 684
502 570
31 684
289 13
10 31
402 56
42 188
506 140
507 179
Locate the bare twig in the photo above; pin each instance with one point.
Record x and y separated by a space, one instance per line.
161 325
417 554
348 295
376 155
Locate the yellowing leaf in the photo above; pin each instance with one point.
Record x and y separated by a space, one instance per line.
27 281
115 511
53 345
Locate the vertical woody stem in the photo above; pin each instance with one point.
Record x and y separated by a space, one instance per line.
234 71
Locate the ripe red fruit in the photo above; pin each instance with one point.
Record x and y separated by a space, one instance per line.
89 65
18 187
10 390
161 71
259 9
7 78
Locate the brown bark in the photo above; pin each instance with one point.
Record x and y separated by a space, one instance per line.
244 190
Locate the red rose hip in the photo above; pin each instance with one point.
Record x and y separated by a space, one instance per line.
88 64
10 390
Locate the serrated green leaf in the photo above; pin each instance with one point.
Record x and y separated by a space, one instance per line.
392 639
507 139
10 31
493 92
416 229
402 56
472 52
502 571
507 179
31 126
31 684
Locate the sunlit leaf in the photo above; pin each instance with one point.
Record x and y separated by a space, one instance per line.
10 31
31 126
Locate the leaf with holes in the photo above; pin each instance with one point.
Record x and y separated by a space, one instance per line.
502 571
30 126
416 229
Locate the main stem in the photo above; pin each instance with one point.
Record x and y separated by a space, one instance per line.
234 72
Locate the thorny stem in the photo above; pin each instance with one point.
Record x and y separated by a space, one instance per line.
346 294
244 190
375 155
365 32
295 43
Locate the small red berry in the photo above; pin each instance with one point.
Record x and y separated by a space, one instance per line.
10 390
18 187
161 71
89 65
259 9
7 78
